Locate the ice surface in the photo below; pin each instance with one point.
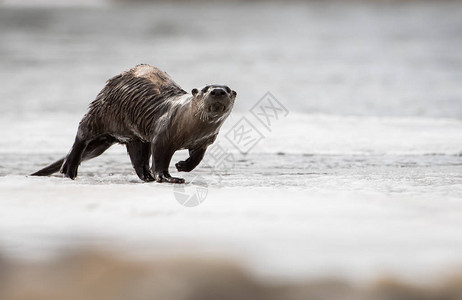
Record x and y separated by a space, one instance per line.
342 196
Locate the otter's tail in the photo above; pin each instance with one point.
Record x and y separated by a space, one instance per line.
53 168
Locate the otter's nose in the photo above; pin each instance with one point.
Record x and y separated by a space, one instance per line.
218 92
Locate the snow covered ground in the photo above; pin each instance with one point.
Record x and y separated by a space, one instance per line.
363 177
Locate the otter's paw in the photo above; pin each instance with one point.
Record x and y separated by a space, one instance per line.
148 177
165 177
175 180
145 174
183 166
69 171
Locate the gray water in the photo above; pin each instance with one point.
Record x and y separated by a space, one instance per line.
360 58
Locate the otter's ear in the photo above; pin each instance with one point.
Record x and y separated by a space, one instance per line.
194 92
234 93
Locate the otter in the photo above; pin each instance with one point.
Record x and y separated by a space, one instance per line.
144 109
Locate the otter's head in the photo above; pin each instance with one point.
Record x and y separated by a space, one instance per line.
214 102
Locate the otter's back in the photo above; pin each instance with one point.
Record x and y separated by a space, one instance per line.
131 102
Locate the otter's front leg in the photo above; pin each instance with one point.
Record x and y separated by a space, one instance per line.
161 157
195 157
139 155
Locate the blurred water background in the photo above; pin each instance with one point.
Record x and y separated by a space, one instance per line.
334 57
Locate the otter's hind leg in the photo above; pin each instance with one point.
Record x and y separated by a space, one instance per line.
72 162
84 150
97 146
139 153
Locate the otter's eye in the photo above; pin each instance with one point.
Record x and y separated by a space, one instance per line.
228 90
205 89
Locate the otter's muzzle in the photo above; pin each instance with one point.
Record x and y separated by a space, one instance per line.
217 107
218 97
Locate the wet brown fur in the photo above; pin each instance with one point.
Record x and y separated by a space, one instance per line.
152 115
